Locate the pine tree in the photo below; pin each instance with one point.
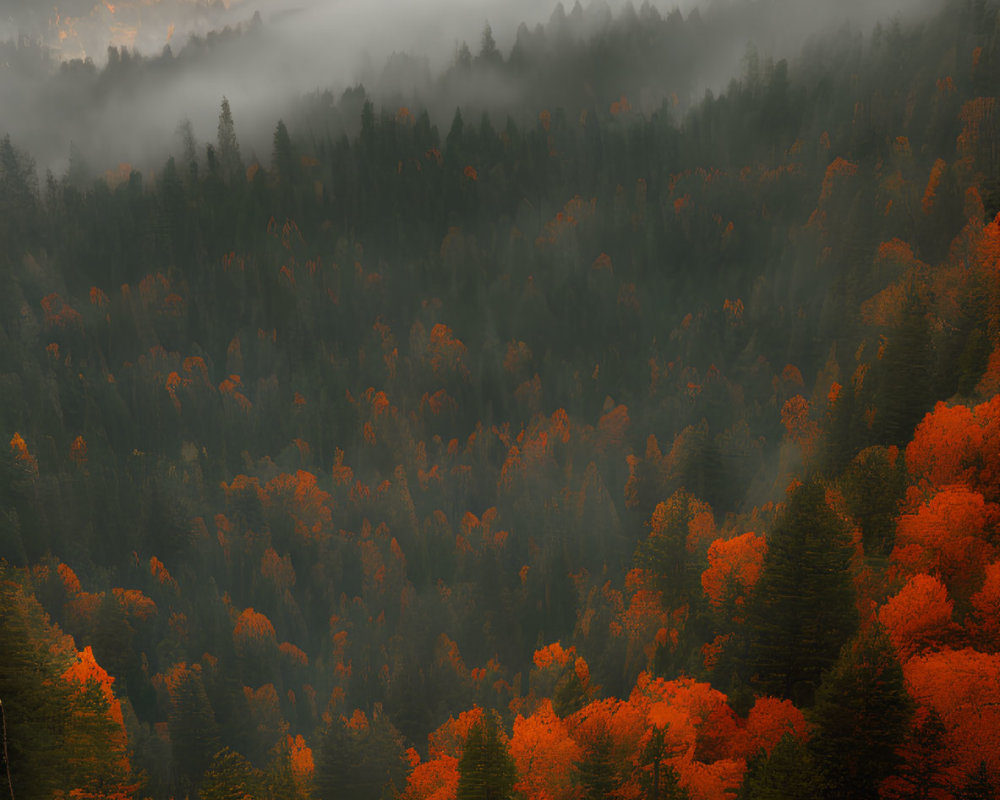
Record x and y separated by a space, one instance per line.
862 715
802 609
486 771
788 773
194 734
230 164
597 772
282 155
230 777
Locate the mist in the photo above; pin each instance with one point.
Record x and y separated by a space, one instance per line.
64 88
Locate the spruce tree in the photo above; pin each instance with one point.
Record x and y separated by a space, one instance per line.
230 163
862 715
788 773
802 609
486 771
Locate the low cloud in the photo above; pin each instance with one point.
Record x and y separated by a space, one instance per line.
265 54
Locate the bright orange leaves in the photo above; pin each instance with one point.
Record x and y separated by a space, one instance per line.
919 615
253 627
545 755
769 720
958 445
553 654
801 429
949 536
734 566
21 453
963 687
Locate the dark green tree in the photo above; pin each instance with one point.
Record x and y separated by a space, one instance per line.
282 154
802 609
862 715
230 777
486 771
366 762
194 734
597 772
228 153
788 773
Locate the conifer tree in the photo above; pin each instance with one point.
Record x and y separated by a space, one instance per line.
802 609
788 773
486 771
862 714
228 154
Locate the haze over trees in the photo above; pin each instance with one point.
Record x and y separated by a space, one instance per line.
622 445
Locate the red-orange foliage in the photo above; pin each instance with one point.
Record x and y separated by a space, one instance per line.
985 622
769 720
59 313
919 615
277 569
963 687
948 536
696 718
553 654
620 106
956 444
113 745
21 453
159 571
294 654
135 603
839 168
436 779
253 627
449 738
734 566
98 297
933 182
544 754
70 582
78 450
300 758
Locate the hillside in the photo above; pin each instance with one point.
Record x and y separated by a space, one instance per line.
602 438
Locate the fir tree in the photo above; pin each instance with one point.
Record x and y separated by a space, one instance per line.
230 164
802 609
861 715
486 771
788 773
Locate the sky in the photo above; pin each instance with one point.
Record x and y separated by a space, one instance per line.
303 46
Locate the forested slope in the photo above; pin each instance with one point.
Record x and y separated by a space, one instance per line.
585 451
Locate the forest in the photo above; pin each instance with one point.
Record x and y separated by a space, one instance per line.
622 440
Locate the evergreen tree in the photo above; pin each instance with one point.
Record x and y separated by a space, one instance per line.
282 154
228 153
862 714
194 734
486 771
597 771
802 609
788 773
230 777
362 763
904 392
